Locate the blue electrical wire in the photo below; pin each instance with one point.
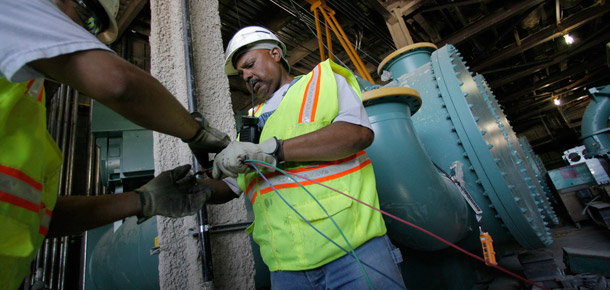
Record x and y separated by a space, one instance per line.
304 219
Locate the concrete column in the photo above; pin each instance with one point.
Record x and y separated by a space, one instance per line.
180 265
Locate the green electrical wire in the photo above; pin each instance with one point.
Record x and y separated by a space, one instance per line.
322 207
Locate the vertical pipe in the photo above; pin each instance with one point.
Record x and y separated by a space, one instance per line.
72 144
69 184
202 215
50 244
58 243
90 156
53 260
53 113
557 12
97 185
89 191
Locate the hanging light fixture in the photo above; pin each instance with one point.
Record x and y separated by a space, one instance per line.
568 38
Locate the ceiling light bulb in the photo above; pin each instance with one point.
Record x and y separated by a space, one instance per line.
557 102
568 38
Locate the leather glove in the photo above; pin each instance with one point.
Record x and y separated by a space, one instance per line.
207 140
230 161
174 193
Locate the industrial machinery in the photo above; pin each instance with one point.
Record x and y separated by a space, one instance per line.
459 131
126 163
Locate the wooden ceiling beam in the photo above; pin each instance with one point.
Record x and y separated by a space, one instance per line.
546 34
591 65
488 22
128 14
555 59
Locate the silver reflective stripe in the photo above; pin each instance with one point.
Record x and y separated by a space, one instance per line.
36 88
45 218
320 171
20 189
308 105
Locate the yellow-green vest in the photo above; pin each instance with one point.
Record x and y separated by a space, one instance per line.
286 241
30 162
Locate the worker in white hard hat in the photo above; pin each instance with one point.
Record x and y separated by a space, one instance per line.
315 126
57 40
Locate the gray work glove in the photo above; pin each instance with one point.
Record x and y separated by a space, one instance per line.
174 193
230 162
207 140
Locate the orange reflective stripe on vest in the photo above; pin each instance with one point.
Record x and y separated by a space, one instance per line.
320 173
45 220
310 98
36 89
18 189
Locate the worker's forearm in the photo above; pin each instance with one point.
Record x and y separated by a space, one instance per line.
123 87
222 192
335 141
148 104
75 214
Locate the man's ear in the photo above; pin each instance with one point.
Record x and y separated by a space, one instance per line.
276 54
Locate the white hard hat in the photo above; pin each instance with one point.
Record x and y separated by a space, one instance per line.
111 7
248 37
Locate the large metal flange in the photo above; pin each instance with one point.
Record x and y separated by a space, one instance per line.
393 94
489 153
413 48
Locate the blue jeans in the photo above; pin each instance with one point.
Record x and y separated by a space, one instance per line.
378 256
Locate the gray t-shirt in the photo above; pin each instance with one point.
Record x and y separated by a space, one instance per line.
351 110
37 29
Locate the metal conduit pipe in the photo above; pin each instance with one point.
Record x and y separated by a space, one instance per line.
594 123
89 191
60 243
50 263
202 214
69 180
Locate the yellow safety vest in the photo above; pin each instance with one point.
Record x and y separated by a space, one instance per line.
286 241
30 162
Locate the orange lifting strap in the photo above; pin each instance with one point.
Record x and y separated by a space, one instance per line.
319 7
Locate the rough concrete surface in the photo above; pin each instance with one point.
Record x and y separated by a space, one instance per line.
180 265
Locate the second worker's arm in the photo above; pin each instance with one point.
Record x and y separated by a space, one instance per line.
123 87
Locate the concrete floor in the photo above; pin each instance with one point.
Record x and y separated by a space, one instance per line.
589 236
